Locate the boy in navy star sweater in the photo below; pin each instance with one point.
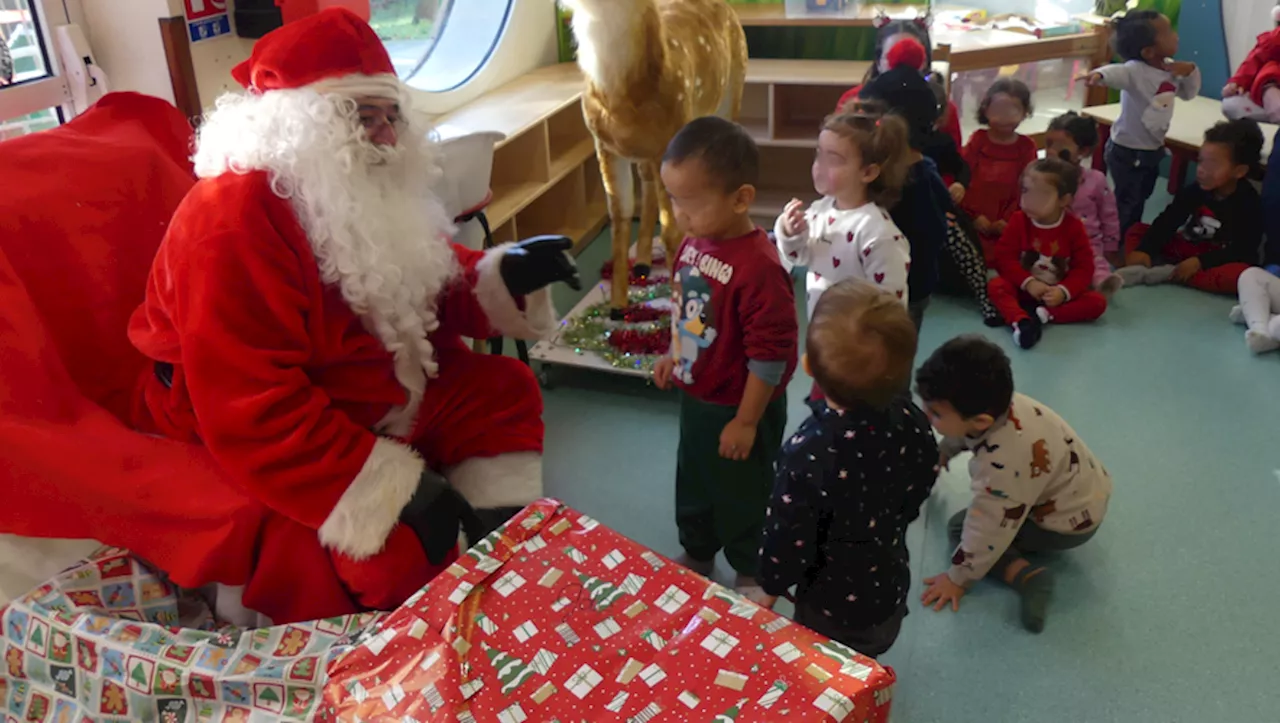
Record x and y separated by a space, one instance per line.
853 476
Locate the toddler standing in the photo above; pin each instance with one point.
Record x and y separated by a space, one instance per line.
1148 80
997 155
735 337
859 169
1072 137
836 528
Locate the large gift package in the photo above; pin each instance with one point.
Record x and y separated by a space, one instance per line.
555 617
100 642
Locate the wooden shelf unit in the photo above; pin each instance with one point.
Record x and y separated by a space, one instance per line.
545 178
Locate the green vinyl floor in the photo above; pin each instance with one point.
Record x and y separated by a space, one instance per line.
1167 615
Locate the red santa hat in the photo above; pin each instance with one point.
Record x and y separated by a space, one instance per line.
332 51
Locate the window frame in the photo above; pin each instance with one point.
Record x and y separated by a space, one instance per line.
32 96
445 20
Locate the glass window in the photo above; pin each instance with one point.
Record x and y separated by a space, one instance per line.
1054 91
39 121
439 45
22 57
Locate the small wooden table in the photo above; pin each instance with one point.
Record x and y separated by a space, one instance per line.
1191 118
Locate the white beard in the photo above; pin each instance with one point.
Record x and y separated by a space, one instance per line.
377 229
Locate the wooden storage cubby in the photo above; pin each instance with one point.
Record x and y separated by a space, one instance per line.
571 143
520 170
798 111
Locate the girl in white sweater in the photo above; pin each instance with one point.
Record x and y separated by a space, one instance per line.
860 166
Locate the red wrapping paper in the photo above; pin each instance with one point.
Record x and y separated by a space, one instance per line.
556 617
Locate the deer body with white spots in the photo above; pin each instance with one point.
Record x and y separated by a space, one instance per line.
651 66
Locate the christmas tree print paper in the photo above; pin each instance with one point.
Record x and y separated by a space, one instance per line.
585 624
99 643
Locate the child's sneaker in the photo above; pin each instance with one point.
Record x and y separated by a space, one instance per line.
1026 333
1042 313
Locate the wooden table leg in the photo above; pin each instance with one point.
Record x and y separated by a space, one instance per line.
1100 153
1178 171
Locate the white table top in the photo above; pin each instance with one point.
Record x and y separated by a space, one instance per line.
1191 118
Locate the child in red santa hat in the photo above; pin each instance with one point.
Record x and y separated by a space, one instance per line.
1254 91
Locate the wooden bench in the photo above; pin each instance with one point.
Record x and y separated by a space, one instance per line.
1191 118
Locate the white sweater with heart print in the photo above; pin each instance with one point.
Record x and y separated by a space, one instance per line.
860 243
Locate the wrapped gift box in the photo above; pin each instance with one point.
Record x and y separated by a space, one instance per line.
556 617
99 643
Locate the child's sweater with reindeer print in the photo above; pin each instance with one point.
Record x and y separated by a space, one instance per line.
1030 467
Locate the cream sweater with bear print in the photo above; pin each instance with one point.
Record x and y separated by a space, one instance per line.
1030 467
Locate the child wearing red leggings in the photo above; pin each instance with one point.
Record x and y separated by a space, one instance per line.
1212 231
1044 257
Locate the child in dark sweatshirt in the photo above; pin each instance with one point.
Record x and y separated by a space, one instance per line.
1212 231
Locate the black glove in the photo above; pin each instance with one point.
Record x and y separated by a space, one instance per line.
435 513
537 262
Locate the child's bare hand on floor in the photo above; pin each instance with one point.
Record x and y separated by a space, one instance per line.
794 222
662 371
940 591
737 439
1188 268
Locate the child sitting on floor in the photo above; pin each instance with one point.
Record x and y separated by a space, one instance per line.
1259 309
997 155
1072 137
837 526
1148 80
1044 258
1036 486
859 170
1211 232
735 337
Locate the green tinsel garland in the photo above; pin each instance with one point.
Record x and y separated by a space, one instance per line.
590 331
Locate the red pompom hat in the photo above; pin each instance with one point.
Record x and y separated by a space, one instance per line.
332 51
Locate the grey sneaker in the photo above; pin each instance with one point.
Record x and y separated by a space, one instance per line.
1159 274
1132 275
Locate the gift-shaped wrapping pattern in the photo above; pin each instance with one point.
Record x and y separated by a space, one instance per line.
555 617
98 643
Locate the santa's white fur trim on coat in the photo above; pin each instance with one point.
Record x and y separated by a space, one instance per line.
362 520
507 480
537 321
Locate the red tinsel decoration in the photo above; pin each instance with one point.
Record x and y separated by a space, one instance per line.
638 313
630 341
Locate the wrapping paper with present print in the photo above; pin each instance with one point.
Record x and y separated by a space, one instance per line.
555 617
99 643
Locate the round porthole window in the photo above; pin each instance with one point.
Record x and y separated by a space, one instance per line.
439 45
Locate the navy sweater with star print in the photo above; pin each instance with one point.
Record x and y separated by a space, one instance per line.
848 484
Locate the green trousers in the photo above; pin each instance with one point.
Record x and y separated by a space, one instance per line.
720 503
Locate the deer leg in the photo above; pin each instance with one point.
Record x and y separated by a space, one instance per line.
737 74
671 234
649 185
616 174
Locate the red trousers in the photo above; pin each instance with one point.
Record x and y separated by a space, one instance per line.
1015 304
1224 279
479 406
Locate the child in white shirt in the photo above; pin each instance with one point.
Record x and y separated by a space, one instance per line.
859 169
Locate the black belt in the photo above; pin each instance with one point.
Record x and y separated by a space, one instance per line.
164 372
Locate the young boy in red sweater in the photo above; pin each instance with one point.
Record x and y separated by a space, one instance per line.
1044 257
734 345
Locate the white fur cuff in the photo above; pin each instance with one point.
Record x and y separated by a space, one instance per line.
537 321
508 480
359 524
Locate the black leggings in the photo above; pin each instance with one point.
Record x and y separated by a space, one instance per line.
967 259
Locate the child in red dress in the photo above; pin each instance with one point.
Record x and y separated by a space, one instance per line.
1045 258
997 156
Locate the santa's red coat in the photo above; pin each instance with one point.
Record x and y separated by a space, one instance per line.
1261 67
276 381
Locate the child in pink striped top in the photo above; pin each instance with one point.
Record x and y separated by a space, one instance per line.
1072 137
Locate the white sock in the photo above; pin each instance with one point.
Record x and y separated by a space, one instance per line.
1236 315
1043 313
1260 342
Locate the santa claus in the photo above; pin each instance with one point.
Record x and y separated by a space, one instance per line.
306 314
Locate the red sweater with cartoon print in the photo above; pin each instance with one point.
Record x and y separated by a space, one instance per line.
1060 255
735 312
